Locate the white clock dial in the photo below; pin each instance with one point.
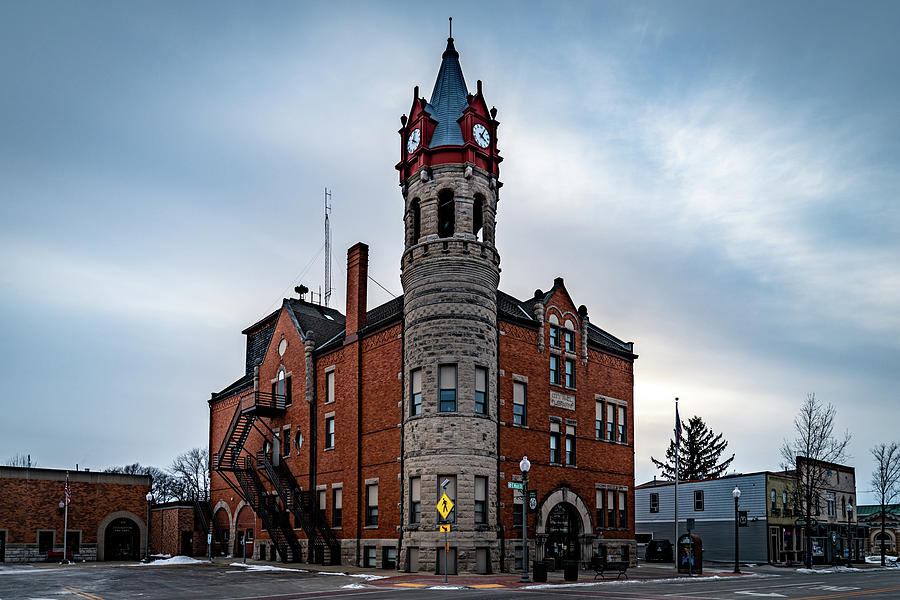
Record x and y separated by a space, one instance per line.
412 142
481 135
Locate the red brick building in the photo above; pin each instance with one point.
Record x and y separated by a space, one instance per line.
345 430
106 521
177 528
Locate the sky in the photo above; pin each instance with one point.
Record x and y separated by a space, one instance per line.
716 181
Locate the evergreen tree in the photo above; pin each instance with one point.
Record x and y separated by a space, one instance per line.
701 449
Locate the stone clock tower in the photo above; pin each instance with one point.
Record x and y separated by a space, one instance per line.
449 171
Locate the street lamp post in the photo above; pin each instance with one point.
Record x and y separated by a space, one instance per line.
736 492
525 466
149 498
850 548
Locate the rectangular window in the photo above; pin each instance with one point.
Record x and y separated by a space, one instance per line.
372 504
829 499
415 499
73 541
570 372
621 425
698 499
322 504
389 557
554 369
337 505
481 390
518 558
447 387
520 403
569 337
286 444
773 497
554 336
570 445
369 554
415 392
288 391
610 509
598 420
480 500
654 503
45 541
329 387
623 510
610 418
554 442
601 514
450 490
329 432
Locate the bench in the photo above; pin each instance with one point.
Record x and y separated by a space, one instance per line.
57 556
601 567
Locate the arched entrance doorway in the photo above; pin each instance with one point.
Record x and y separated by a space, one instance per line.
222 531
563 530
246 522
122 540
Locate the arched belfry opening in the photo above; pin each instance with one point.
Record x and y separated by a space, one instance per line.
478 217
446 214
415 210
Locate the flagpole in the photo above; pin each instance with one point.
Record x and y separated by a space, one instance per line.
677 452
66 520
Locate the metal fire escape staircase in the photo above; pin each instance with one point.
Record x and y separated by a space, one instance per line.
274 510
250 486
324 545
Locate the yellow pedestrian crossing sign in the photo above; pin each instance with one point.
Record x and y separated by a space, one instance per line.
445 529
444 506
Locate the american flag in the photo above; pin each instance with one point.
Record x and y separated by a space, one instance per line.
67 488
677 426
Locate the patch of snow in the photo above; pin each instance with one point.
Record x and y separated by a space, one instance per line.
876 560
365 576
23 571
356 586
257 568
175 560
160 556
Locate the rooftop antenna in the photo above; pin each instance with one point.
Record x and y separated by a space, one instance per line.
327 247
451 28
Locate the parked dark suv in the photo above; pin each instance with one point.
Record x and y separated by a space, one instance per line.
659 551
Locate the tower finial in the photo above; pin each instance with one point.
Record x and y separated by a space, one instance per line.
451 28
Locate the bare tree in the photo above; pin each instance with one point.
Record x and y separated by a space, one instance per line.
886 480
164 487
814 444
191 471
20 460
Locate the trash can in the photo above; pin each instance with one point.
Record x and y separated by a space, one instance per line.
539 570
690 554
570 570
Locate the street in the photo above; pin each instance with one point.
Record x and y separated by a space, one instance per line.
229 581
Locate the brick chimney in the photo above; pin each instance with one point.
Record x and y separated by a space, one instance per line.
357 276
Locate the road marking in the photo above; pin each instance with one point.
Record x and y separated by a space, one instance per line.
851 594
762 594
82 594
411 585
487 586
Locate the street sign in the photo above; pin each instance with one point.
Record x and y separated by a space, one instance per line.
444 506
445 529
691 524
209 538
800 522
515 485
742 519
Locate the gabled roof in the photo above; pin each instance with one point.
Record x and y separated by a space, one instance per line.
522 311
321 323
448 100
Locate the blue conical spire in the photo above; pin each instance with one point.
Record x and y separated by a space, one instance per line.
448 100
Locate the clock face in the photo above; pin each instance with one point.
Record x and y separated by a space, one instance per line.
412 142
481 135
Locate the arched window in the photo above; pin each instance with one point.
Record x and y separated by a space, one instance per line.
478 217
279 390
446 214
416 220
